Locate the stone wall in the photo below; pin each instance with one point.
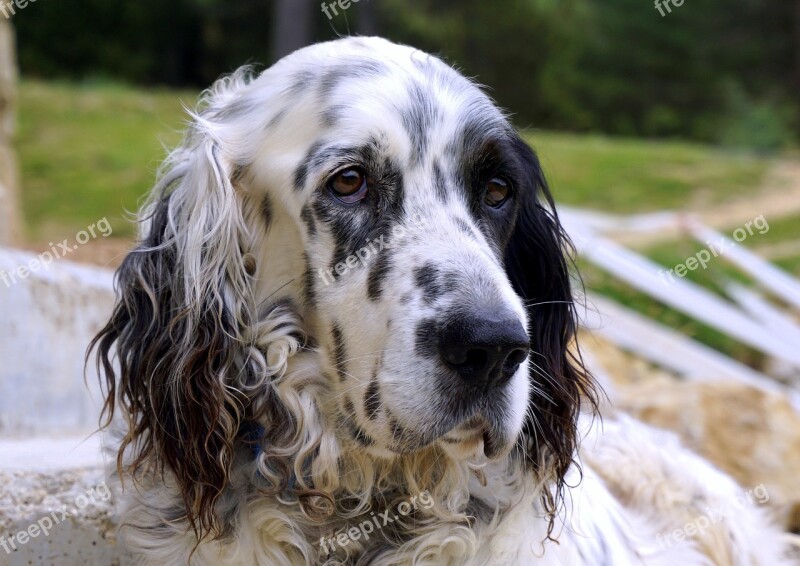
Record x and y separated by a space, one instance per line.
9 211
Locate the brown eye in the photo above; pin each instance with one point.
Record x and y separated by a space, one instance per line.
349 186
497 192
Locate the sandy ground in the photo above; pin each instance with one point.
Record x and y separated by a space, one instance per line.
107 253
778 198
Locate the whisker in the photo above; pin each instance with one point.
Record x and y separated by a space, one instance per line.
548 303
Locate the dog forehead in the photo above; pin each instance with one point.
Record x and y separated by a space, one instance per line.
354 80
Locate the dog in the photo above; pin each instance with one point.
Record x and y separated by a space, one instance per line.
347 336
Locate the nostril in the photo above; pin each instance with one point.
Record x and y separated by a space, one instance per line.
476 359
517 356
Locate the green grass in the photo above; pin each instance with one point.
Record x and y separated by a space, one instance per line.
89 152
790 264
626 175
780 230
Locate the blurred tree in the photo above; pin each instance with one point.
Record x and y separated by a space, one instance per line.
617 66
503 44
797 45
293 21
367 18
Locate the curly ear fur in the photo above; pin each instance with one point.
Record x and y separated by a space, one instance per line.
176 330
537 263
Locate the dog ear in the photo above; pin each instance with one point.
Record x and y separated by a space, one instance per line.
176 329
538 258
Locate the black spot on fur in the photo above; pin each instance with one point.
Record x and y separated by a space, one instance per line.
398 431
427 279
361 226
356 432
228 508
307 215
352 70
464 226
426 344
312 159
277 119
330 116
266 211
349 409
339 351
450 280
361 436
418 120
309 291
439 182
301 82
377 275
372 400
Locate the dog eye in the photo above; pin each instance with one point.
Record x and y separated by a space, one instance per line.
497 192
349 186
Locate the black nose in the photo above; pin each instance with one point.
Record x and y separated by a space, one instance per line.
484 350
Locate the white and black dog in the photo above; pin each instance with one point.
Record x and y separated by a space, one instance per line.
345 338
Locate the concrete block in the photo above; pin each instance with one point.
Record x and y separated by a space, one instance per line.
48 319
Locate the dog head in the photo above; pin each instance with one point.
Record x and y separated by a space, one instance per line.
364 200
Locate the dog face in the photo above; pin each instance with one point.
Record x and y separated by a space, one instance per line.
404 187
383 198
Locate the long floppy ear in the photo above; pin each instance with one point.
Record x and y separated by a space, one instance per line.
537 263
176 330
